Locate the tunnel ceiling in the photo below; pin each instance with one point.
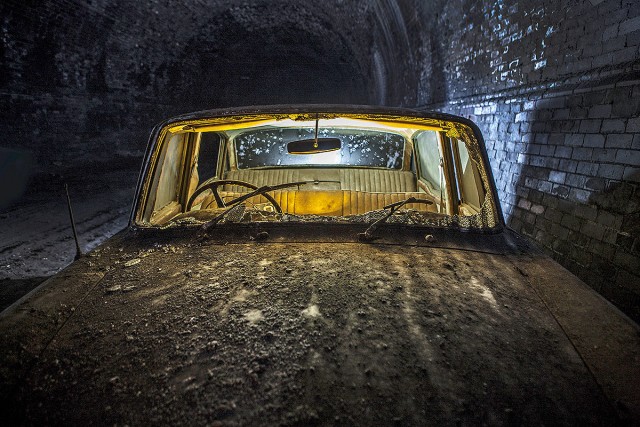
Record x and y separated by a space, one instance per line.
102 72
196 54
262 55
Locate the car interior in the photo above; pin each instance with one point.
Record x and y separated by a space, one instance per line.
207 169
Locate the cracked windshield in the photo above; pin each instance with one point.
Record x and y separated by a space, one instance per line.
323 170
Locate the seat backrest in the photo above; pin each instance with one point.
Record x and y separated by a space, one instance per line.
351 179
377 180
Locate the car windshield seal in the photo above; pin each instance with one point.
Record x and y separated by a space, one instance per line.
239 213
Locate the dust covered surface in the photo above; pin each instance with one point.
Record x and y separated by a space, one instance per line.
264 333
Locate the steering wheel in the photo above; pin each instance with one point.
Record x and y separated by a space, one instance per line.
213 186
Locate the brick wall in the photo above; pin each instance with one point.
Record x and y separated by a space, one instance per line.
555 88
63 97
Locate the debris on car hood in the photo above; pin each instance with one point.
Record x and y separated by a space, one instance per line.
269 333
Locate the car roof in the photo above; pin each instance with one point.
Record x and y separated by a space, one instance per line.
316 108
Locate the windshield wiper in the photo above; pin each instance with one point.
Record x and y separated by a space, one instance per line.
257 192
368 236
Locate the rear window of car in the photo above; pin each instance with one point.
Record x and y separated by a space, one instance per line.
268 147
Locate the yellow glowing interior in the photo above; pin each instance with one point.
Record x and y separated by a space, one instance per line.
332 190
407 128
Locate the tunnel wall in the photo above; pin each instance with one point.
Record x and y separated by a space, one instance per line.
555 89
84 81
72 92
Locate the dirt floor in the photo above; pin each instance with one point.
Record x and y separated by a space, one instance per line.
36 240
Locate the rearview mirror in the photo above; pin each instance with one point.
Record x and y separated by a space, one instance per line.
313 146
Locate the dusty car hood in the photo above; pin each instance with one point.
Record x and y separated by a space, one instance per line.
292 333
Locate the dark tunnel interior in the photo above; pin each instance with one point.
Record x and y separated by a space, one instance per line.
552 85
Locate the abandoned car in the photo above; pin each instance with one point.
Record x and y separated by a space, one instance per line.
297 265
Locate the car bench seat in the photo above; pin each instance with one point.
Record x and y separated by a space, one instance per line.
351 178
329 191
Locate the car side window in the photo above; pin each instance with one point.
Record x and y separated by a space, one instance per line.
471 191
169 172
208 156
168 177
429 156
